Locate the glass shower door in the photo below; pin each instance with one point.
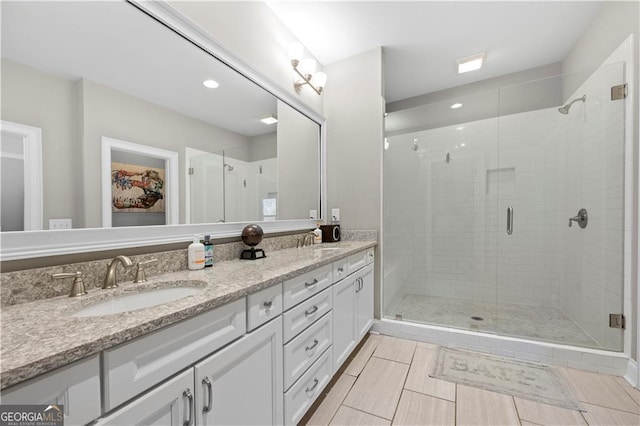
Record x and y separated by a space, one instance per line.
206 188
558 280
440 216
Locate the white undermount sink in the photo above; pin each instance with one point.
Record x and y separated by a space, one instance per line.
132 302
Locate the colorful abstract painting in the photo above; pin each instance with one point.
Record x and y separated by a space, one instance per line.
137 188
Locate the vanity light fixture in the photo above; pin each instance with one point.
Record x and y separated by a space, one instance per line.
269 119
305 68
470 63
211 84
456 105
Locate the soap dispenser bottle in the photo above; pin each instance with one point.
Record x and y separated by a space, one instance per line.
317 234
195 253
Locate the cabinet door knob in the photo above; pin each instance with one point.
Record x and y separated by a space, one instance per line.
267 305
187 394
209 391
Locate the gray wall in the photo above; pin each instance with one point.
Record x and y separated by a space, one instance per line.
298 164
354 108
608 30
107 112
49 102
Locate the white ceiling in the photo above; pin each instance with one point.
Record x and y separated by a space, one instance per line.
116 45
423 39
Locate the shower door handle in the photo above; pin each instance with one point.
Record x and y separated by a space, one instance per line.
509 220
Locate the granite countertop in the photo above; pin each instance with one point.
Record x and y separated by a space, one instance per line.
40 336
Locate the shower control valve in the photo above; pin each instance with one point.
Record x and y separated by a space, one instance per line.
581 219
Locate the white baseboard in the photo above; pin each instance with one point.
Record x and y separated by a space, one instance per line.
631 375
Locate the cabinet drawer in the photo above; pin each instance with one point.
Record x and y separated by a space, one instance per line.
301 288
302 316
133 367
302 351
77 386
264 306
304 392
351 264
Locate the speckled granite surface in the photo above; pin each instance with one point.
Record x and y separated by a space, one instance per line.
40 336
36 284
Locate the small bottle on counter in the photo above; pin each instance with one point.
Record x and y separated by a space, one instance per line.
208 251
318 234
195 254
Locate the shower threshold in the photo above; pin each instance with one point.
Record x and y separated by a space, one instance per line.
531 322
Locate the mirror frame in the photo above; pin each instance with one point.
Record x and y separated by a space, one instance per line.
33 244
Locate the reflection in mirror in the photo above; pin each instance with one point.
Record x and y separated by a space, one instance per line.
82 71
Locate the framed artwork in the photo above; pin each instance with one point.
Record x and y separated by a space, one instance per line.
136 188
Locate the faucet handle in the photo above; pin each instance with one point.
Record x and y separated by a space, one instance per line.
77 287
140 275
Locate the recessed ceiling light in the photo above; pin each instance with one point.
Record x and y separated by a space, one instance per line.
470 63
211 84
270 119
456 105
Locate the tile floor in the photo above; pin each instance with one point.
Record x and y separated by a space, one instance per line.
534 322
386 381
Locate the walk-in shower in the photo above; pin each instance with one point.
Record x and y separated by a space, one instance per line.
478 203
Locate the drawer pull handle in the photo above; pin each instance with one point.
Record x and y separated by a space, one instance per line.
340 269
187 394
309 348
209 405
268 305
311 311
312 388
312 283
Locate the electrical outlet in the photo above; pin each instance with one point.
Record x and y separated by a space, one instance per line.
59 223
335 215
313 214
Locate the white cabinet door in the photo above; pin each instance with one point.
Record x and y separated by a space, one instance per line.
242 383
76 386
344 319
135 366
169 404
364 301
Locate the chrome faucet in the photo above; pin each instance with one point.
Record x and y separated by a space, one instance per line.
110 278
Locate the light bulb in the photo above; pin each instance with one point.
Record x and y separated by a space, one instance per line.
319 79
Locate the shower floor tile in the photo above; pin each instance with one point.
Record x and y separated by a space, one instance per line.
535 322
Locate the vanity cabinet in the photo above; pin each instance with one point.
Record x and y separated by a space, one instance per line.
352 312
239 385
242 383
76 386
134 367
169 404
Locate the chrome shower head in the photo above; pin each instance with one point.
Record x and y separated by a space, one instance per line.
565 109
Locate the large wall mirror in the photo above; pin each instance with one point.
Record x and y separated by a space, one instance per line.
90 73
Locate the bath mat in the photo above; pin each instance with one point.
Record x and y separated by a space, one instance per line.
528 380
